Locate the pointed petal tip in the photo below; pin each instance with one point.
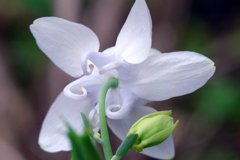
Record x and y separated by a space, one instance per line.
31 25
40 143
45 147
135 38
35 22
213 66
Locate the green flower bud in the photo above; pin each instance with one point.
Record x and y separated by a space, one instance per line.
152 130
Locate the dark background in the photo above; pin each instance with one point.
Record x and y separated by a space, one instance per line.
29 82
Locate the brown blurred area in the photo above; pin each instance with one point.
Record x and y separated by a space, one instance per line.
29 82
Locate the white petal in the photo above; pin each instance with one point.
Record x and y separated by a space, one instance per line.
121 102
79 88
165 150
125 69
104 58
53 135
168 75
130 99
120 127
135 38
98 59
64 42
153 52
107 62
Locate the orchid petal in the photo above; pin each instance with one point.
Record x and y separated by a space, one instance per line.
154 52
64 42
53 135
122 101
114 102
102 59
167 75
79 88
135 38
165 150
97 58
124 68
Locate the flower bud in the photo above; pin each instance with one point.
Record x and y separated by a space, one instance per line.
152 130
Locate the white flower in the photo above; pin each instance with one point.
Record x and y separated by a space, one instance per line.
143 74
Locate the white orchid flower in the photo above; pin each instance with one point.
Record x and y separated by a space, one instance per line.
143 74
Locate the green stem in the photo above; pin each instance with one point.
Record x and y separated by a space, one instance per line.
112 83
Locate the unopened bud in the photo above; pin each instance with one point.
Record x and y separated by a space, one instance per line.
152 129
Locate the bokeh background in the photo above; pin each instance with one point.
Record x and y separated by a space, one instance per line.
209 125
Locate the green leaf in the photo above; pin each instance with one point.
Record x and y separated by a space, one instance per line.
126 145
82 146
86 123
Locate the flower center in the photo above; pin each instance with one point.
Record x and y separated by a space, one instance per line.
117 111
108 67
87 67
75 93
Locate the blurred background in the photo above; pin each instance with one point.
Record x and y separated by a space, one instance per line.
209 125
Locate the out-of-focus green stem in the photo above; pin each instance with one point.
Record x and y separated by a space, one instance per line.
112 83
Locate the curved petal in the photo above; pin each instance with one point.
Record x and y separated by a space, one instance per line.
79 88
101 59
120 127
64 42
53 134
98 59
168 75
135 38
120 102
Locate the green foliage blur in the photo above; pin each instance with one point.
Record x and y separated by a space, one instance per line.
82 146
24 56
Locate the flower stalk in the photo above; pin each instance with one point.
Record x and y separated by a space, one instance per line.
112 83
